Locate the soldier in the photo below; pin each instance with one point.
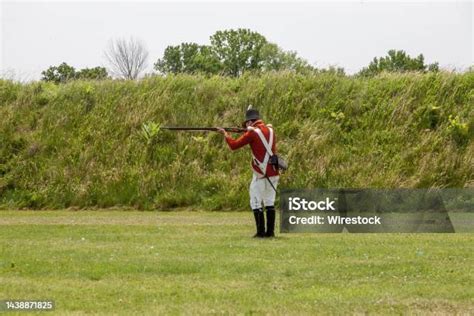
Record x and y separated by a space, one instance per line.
261 139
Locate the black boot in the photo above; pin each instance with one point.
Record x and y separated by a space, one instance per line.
259 222
270 221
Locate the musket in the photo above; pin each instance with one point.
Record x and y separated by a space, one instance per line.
204 129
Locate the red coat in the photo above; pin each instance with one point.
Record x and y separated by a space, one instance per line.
258 149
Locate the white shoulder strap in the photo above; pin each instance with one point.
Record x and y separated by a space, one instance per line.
268 147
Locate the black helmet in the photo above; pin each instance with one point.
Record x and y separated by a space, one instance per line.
252 114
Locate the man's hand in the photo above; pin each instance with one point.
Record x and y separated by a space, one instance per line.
222 131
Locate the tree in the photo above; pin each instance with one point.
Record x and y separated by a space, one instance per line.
332 70
231 53
274 58
96 73
127 59
398 61
64 73
238 50
188 58
59 74
172 61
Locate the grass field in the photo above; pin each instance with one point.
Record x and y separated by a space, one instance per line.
128 262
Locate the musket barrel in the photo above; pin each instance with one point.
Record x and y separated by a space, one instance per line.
183 128
177 128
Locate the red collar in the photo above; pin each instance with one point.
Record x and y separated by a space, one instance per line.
258 122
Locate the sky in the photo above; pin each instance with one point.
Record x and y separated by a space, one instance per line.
348 34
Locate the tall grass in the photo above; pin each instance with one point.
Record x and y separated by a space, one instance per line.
81 144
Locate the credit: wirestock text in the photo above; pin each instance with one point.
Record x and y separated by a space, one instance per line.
334 220
376 210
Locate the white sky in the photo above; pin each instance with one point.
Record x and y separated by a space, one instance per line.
36 35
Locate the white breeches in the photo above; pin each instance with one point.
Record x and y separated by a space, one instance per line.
262 192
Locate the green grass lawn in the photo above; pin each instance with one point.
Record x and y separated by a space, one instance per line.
128 262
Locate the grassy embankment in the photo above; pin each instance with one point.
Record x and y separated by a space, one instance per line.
81 144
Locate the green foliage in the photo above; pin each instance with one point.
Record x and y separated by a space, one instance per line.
98 143
231 53
59 74
238 50
96 73
276 59
149 131
398 61
188 58
332 70
459 131
8 91
64 73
